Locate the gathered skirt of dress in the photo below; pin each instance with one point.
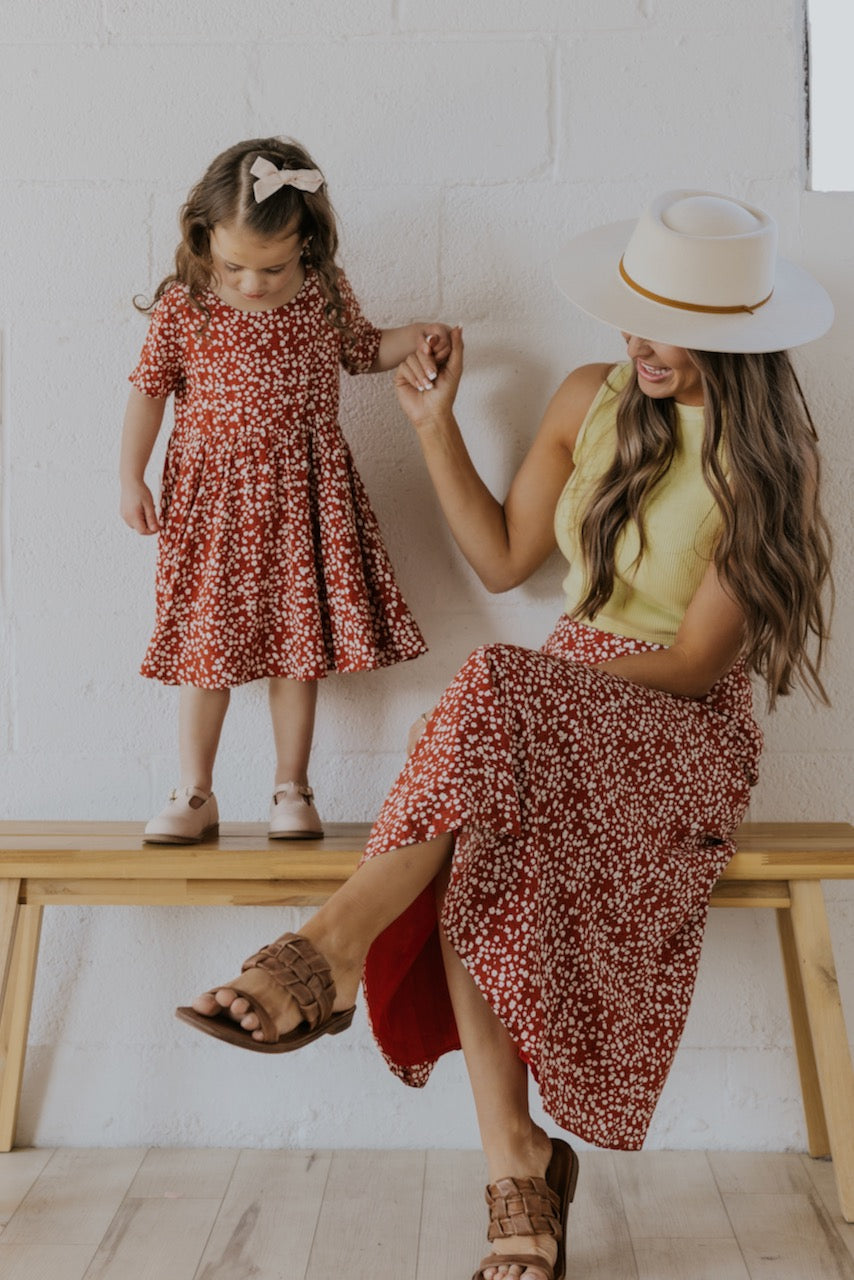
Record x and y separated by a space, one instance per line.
591 818
271 561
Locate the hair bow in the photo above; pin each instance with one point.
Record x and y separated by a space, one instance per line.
271 179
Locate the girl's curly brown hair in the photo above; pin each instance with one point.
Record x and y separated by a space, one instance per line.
225 195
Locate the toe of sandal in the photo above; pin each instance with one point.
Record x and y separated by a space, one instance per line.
294 964
514 1259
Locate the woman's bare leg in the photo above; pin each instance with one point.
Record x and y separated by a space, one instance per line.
292 708
513 1145
201 713
342 930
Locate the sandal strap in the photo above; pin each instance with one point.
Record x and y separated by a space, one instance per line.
295 965
522 1207
267 1026
508 1260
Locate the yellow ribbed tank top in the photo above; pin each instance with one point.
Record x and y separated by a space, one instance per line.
682 522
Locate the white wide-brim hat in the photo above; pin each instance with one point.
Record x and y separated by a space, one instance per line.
696 270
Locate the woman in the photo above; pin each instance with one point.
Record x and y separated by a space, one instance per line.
567 812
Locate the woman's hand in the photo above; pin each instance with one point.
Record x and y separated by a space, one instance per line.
427 380
138 509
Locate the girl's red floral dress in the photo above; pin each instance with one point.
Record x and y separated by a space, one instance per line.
270 559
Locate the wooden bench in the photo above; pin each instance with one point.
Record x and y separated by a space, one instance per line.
778 865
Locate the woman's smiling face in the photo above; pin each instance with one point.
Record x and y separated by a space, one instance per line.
664 372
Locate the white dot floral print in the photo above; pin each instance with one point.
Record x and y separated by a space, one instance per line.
592 817
270 559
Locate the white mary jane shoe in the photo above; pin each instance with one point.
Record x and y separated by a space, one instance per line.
182 822
292 813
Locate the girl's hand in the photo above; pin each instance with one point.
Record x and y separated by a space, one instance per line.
423 397
438 339
137 508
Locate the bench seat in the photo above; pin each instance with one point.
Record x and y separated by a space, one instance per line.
777 865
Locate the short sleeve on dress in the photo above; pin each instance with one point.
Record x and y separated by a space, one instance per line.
358 352
159 371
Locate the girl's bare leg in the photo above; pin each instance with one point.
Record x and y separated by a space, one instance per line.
342 930
201 713
292 707
514 1146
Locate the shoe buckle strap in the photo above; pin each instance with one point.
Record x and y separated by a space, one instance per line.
190 792
305 793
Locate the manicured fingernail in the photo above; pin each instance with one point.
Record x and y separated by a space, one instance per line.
433 376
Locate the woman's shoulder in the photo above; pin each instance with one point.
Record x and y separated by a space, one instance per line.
591 382
588 379
577 399
578 402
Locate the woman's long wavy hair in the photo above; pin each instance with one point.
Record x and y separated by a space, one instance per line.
760 461
225 195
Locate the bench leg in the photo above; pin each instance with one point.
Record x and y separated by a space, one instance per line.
15 1019
818 1142
9 913
9 892
814 953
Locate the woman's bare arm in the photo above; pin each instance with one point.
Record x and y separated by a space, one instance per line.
503 542
708 642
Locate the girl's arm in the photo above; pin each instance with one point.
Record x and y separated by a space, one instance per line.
142 423
428 342
708 642
503 542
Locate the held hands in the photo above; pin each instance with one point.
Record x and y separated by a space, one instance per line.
438 339
427 380
138 509
423 364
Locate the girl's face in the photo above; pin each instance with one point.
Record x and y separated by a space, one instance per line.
664 372
256 273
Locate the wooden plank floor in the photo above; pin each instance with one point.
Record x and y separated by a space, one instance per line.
132 1214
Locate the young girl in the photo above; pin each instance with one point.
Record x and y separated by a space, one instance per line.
270 560
536 886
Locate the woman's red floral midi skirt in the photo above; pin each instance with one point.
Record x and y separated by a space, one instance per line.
592 818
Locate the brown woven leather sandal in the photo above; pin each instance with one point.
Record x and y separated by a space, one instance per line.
296 966
533 1207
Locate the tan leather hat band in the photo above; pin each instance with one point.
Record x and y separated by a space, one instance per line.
690 306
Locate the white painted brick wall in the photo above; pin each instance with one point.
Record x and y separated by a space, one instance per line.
463 141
